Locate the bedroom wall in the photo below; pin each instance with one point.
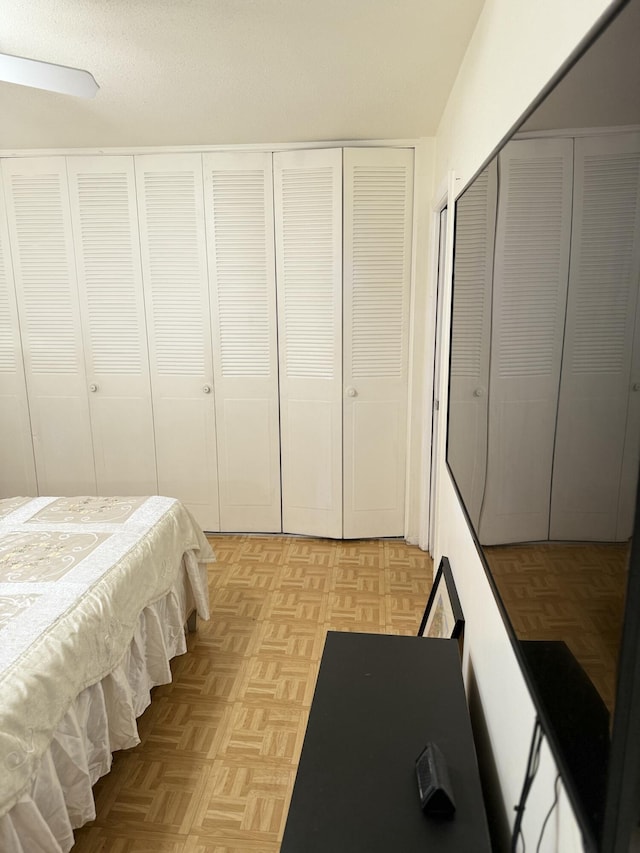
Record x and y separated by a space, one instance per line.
515 50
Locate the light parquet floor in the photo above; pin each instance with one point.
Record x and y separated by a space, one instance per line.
571 592
220 745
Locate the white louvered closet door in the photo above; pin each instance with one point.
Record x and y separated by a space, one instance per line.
174 263
378 202
17 464
240 240
471 337
598 433
37 199
308 215
105 230
529 296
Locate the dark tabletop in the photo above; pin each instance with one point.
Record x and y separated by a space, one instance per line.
379 700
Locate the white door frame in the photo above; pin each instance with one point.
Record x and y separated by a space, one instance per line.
435 380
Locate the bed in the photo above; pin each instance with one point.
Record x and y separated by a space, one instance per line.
94 594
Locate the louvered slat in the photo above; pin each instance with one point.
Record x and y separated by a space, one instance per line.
9 337
532 254
604 280
242 276
307 274
109 271
379 270
47 283
473 269
175 271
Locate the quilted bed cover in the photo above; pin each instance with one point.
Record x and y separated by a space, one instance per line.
75 576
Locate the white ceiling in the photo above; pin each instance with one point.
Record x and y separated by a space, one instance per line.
197 72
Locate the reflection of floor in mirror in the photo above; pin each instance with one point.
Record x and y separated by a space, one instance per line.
567 591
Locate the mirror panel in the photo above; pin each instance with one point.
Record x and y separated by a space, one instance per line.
544 383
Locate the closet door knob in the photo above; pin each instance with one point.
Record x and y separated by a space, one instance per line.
351 391
207 389
478 392
636 386
93 388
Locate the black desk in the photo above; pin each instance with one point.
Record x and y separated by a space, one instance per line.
379 699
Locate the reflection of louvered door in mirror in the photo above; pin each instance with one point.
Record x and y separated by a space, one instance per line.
471 337
240 241
17 465
529 294
308 215
105 230
598 431
378 199
174 263
37 200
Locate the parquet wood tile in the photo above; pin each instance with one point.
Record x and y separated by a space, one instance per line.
234 635
305 577
289 605
365 609
359 579
245 796
257 732
269 680
220 745
190 729
297 639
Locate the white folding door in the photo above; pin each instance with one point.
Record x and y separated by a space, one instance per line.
240 241
41 237
378 199
105 230
598 437
471 338
529 293
17 465
308 206
343 260
174 263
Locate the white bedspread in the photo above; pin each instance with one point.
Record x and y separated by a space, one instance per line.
75 575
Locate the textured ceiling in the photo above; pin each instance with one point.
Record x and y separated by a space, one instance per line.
197 72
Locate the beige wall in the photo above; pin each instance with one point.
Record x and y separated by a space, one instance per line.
516 48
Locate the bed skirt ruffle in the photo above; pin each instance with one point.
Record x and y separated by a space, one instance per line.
100 721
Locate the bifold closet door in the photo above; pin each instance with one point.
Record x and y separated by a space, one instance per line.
308 215
378 207
105 230
598 433
37 199
471 337
17 465
529 296
174 264
240 241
